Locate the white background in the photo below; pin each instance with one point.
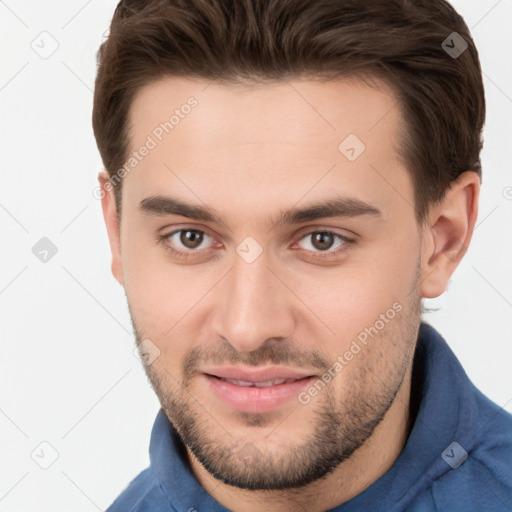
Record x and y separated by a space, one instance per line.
68 374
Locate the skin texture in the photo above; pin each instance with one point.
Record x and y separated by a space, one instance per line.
250 153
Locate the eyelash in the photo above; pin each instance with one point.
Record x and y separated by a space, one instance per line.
347 243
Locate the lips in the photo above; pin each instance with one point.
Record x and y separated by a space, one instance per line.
264 384
255 390
257 375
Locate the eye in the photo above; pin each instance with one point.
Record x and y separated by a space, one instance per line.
322 241
188 239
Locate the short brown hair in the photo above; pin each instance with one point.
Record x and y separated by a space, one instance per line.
234 41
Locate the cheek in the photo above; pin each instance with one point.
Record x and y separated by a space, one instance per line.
165 301
151 291
161 299
353 298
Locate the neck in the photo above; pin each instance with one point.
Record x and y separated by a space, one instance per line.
364 467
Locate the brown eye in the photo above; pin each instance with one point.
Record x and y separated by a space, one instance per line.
322 240
185 242
191 239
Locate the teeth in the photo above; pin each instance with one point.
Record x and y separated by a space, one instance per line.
265 384
239 382
269 383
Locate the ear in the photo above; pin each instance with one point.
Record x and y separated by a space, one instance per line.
447 234
108 205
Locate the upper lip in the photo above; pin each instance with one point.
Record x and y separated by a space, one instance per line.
256 375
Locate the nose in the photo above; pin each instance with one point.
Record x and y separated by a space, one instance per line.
253 305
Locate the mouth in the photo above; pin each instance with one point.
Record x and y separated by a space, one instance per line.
255 391
263 384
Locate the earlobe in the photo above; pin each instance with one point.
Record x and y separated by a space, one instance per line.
447 235
108 205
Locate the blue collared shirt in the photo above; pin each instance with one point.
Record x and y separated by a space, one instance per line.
458 456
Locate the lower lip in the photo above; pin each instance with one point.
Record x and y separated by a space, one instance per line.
253 399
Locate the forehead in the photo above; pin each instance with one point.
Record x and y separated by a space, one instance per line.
252 113
294 136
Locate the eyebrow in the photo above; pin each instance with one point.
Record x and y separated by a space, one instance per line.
334 207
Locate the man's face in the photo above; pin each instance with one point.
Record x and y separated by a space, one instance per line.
296 298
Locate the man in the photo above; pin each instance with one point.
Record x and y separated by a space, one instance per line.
285 181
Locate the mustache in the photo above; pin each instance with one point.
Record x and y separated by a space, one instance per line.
271 352
274 351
